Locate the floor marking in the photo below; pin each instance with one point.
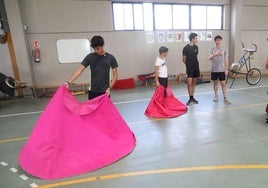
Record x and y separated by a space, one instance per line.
24 177
186 95
33 185
3 163
206 112
14 139
21 114
140 100
14 170
160 119
150 172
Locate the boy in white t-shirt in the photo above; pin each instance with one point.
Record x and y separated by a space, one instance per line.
160 70
163 103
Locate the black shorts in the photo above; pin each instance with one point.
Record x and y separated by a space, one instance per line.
163 81
218 76
193 72
92 95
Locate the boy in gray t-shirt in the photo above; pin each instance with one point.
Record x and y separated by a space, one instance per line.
219 68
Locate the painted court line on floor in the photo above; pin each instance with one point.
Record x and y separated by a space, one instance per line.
133 101
160 119
150 172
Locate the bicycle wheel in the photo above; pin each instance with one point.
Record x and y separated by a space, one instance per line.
253 76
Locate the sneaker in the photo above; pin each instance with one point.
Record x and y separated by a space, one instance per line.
195 101
216 99
226 101
190 102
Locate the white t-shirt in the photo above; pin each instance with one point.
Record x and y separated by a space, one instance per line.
161 63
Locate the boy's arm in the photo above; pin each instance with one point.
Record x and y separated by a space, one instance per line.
226 63
156 68
115 76
75 75
184 58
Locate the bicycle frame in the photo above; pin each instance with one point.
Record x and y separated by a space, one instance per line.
248 55
244 60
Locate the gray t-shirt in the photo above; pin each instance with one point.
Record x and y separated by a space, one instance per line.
218 61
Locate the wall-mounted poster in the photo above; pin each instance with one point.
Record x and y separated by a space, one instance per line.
178 36
170 36
161 37
202 35
186 36
150 37
209 36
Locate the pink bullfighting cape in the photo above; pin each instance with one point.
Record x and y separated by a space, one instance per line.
162 106
71 138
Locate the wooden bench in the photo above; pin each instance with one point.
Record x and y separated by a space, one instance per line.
49 90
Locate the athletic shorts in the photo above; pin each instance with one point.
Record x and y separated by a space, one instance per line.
92 95
163 81
218 76
193 72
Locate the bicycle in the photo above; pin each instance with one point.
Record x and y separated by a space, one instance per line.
253 75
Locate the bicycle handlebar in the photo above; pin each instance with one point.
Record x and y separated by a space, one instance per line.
250 49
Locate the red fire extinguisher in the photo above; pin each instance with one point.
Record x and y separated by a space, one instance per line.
36 55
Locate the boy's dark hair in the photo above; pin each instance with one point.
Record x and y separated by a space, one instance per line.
192 36
96 41
217 37
163 49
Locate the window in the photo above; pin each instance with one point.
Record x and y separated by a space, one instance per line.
148 16
163 16
198 17
214 17
206 17
128 16
156 16
180 16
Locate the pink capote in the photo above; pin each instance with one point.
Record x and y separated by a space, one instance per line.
71 138
164 107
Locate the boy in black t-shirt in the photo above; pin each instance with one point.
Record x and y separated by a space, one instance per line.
100 63
189 57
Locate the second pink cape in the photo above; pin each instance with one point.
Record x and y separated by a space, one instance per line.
162 106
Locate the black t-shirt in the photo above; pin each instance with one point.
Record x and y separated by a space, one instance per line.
100 70
191 53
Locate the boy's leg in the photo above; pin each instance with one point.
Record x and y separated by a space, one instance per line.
215 87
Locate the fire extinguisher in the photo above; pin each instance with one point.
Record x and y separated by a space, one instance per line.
36 55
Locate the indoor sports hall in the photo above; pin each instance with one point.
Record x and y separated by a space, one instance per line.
51 135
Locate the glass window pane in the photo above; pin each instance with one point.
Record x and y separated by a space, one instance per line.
118 16
138 17
163 16
198 17
128 16
180 17
214 17
148 16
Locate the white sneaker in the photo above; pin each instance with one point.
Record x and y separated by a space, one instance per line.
226 101
216 99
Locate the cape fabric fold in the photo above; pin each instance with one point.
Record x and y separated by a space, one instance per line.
162 106
72 138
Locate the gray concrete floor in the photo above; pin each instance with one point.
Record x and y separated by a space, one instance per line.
212 145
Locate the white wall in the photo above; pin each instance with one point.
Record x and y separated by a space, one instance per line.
84 19
5 64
